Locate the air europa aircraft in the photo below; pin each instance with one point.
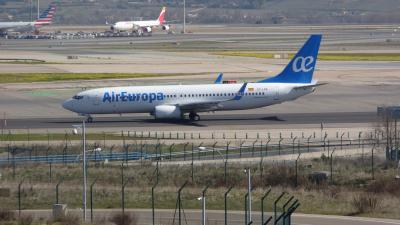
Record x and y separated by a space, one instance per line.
176 101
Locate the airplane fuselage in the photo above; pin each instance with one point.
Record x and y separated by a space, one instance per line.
144 99
10 25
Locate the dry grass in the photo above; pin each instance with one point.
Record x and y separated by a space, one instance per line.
366 202
352 180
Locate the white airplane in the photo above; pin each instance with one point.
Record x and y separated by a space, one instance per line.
141 27
45 18
174 101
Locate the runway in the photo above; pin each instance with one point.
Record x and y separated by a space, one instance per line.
207 120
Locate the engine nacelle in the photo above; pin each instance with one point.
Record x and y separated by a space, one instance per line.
165 27
147 29
167 112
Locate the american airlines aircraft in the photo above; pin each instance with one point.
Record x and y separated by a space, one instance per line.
145 26
174 101
45 18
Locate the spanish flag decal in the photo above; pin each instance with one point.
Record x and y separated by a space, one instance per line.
250 89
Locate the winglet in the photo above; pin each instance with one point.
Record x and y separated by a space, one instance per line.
240 92
219 79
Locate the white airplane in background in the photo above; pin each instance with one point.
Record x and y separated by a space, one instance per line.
141 27
45 18
174 101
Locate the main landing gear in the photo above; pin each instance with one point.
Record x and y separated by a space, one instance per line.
194 116
89 119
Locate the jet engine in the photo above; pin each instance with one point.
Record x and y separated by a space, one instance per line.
147 29
165 27
167 112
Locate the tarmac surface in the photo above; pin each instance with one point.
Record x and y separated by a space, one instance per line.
165 216
207 121
353 92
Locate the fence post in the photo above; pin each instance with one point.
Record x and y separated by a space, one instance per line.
372 161
275 203
213 153
192 163
240 148
298 157
266 146
262 208
252 150
57 190
184 151
226 205
293 140
341 141
152 201
180 202
91 200
50 173
19 197
332 165
123 196
170 151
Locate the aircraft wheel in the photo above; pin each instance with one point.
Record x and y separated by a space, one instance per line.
194 117
89 119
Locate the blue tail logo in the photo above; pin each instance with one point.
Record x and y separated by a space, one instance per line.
301 68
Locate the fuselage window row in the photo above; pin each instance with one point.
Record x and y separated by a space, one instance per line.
209 95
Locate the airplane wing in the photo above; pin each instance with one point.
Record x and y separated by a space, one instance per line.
210 105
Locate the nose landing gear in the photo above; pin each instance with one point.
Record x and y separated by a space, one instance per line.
194 116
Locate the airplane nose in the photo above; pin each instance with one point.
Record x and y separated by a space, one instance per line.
68 104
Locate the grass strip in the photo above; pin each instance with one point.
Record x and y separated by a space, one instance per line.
323 56
49 77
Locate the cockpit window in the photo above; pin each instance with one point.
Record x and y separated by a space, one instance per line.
77 97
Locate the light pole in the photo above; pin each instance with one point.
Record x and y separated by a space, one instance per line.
38 9
82 127
184 16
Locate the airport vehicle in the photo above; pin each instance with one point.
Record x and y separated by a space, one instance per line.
45 18
142 27
175 101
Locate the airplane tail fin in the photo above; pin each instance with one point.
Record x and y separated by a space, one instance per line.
301 68
47 16
161 18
